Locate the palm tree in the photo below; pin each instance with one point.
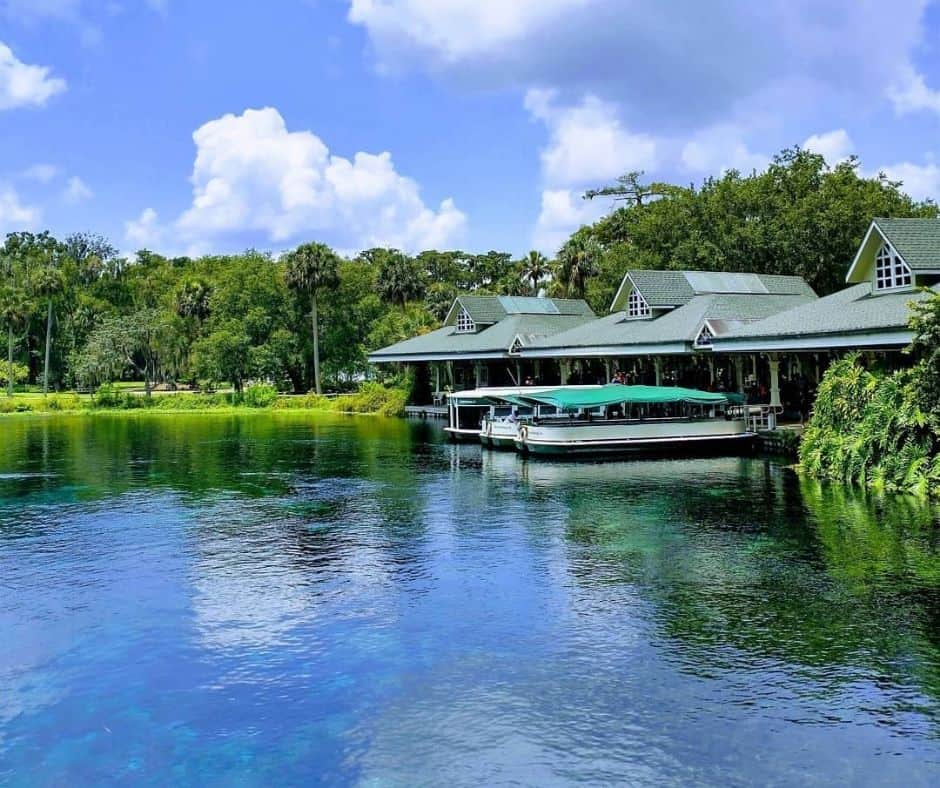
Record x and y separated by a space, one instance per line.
399 279
310 268
47 283
14 310
535 268
577 262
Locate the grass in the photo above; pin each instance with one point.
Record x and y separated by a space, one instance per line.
371 398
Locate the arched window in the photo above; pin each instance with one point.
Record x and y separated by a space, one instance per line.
704 338
636 305
465 324
890 269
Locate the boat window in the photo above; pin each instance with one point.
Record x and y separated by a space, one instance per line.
890 270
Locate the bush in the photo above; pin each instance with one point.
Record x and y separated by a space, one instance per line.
261 395
20 373
108 396
62 402
15 405
869 428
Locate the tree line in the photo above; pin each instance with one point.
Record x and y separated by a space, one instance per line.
76 313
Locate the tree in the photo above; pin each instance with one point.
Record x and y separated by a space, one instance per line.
47 283
311 268
535 268
577 263
399 279
14 311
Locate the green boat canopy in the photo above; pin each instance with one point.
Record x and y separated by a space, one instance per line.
615 393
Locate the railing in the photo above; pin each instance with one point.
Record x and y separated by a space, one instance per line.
759 418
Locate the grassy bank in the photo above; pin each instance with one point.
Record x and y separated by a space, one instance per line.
371 398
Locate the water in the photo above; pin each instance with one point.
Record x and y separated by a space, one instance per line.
280 599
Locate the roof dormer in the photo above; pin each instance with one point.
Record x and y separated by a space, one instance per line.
895 252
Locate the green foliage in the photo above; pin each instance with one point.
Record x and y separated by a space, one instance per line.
261 395
868 427
20 374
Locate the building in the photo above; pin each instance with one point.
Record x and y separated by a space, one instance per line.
482 338
769 337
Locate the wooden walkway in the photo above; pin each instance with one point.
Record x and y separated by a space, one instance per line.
426 411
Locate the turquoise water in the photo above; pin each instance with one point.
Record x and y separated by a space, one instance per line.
281 599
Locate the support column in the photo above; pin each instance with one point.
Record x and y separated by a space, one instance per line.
564 367
607 369
658 366
437 378
711 370
477 374
450 373
536 370
774 362
738 362
754 366
518 374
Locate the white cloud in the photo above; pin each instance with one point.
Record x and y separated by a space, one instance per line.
920 181
720 148
41 172
144 232
454 29
562 213
24 85
587 142
14 215
76 190
251 175
834 146
911 94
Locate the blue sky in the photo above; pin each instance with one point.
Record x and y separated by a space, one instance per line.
190 126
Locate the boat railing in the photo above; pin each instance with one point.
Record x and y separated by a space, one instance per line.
759 418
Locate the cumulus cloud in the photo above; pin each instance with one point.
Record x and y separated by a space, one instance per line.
638 53
144 232
253 175
562 212
720 148
76 190
834 146
920 181
14 215
587 140
23 85
911 93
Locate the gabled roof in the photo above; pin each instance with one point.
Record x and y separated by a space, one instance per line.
917 241
487 310
676 329
670 289
492 340
848 313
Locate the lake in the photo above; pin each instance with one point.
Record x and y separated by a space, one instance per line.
280 599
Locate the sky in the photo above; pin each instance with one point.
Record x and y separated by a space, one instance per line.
204 126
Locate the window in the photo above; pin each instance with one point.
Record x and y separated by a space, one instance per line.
465 324
516 345
704 338
636 305
890 269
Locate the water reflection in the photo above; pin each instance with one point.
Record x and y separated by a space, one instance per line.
355 600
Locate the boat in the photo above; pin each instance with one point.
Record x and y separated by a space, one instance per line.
619 419
492 415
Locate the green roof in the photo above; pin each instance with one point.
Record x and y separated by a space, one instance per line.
488 341
566 398
675 288
486 310
916 240
853 310
680 325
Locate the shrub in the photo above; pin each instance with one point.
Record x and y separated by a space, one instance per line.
20 373
261 395
62 402
107 396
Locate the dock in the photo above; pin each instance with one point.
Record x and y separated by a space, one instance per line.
426 411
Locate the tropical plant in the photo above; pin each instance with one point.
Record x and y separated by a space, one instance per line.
311 268
399 278
536 269
577 263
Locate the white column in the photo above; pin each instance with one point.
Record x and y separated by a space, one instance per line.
565 367
607 369
711 370
477 373
437 377
754 366
658 365
774 362
518 374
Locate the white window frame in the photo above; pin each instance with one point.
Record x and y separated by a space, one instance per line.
637 306
891 272
705 337
516 345
465 324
